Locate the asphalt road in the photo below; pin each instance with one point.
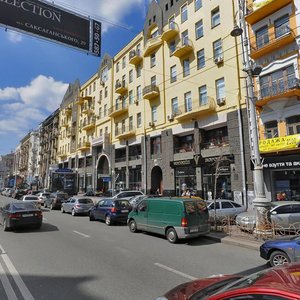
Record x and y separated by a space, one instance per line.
73 258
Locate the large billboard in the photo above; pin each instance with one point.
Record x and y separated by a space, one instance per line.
53 23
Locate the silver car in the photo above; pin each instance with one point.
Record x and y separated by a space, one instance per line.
77 205
224 208
32 198
284 215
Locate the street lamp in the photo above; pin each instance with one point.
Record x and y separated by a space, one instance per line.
260 202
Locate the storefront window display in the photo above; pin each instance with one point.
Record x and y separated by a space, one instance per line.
185 180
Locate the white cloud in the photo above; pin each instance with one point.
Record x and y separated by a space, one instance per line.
14 37
9 93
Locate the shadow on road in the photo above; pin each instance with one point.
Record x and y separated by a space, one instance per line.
46 227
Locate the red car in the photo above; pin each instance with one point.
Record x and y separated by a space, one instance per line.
277 283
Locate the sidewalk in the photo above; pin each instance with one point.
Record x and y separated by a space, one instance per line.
232 240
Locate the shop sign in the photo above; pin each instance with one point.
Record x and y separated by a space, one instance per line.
197 161
280 143
282 162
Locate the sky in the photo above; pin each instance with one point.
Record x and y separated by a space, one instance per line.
35 73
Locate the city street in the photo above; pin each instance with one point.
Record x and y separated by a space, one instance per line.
73 258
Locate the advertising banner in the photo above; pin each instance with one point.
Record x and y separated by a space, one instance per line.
52 22
280 143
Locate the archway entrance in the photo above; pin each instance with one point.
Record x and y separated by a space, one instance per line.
156 181
103 174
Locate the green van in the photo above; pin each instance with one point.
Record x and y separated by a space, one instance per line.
175 218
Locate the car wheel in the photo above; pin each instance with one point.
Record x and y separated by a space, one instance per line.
132 226
5 227
172 235
108 220
279 258
62 209
92 218
73 212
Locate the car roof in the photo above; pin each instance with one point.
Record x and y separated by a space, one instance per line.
280 203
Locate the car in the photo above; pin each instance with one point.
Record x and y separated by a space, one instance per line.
283 251
43 196
285 215
32 198
7 192
18 193
77 205
110 210
272 283
135 200
55 200
224 208
127 194
20 214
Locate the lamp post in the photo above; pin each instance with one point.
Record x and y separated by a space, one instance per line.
261 203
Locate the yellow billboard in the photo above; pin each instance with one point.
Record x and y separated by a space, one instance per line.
280 143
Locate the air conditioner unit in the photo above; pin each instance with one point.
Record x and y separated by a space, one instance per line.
218 60
151 124
221 101
171 117
136 102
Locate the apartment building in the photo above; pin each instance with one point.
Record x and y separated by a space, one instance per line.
6 170
274 40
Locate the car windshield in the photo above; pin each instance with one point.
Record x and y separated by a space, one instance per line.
46 194
30 198
62 196
85 201
23 206
122 203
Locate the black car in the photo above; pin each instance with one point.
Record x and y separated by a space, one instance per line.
20 214
55 200
111 210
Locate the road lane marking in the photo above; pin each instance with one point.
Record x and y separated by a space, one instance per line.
16 276
82 234
175 271
7 286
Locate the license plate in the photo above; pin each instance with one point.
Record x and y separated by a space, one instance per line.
28 215
124 210
194 230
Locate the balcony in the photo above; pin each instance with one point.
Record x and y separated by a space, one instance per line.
135 57
65 124
89 125
88 109
278 90
184 48
150 91
85 146
68 111
152 44
170 33
195 110
259 10
118 109
268 43
121 87
62 155
124 132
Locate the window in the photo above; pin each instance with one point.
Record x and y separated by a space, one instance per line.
172 24
117 67
188 101
198 4
217 48
184 13
284 209
156 145
262 37
202 95
293 125
172 47
138 120
153 80
215 17
174 102
130 123
281 26
226 204
185 37
105 92
94 86
152 60
139 93
130 97
124 62
101 95
138 70
173 75
186 67
154 34
220 88
199 29
154 113
105 110
200 59
130 76
271 130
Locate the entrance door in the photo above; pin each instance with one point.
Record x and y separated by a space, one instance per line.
156 181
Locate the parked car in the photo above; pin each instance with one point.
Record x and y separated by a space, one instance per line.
18 193
285 215
19 214
43 196
32 198
283 251
273 283
174 218
225 208
110 210
77 205
127 194
7 192
135 200
55 200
